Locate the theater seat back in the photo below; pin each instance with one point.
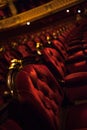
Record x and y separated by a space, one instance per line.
37 86
54 60
60 48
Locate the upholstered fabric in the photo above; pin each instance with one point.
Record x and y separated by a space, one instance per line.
77 53
71 80
23 49
77 67
56 60
31 45
35 84
10 55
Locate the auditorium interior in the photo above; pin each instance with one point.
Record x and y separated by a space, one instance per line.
43 64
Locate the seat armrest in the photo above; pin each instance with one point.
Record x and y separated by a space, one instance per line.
78 78
73 49
71 60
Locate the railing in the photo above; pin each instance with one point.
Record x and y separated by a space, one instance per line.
37 13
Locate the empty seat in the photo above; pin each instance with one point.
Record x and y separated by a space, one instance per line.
74 83
24 50
73 54
37 87
69 65
42 98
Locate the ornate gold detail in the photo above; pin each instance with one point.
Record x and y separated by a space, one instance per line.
37 13
15 63
2 49
3 3
39 47
14 44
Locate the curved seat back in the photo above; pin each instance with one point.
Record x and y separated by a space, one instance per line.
37 86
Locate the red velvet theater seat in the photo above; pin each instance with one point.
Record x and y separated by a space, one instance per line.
76 50
72 39
8 53
77 45
23 49
73 54
74 83
38 88
31 45
68 66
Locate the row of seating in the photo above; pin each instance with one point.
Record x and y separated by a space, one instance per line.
68 69
47 79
